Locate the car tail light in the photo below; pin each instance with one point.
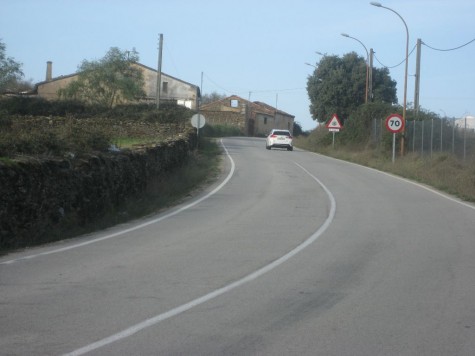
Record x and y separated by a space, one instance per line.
273 136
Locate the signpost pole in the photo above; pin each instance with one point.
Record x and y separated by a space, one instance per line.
394 147
334 125
198 121
394 124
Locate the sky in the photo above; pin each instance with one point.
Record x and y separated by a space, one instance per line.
254 49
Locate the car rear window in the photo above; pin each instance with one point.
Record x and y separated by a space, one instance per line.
281 133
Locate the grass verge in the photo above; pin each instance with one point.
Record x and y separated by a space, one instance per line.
442 171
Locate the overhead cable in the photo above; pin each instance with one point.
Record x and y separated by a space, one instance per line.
449 49
397 65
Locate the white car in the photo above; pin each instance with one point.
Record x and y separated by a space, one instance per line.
280 139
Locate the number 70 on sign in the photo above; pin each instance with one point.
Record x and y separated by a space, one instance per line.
395 123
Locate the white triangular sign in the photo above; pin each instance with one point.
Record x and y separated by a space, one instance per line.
334 123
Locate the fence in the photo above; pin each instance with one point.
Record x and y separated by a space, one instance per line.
431 136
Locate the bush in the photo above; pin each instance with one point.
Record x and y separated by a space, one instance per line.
41 107
220 131
32 138
357 129
34 126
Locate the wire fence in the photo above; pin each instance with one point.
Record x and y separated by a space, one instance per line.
433 136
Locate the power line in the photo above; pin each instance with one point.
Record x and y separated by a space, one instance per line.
220 87
449 49
253 91
397 65
276 90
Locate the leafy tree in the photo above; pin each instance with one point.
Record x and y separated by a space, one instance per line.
338 85
10 70
209 98
20 85
297 129
109 81
357 128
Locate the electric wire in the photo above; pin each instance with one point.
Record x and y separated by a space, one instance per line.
425 44
449 49
397 65
226 91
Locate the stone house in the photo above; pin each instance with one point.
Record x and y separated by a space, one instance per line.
172 89
253 118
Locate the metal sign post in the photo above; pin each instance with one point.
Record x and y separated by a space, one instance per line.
334 125
198 121
394 123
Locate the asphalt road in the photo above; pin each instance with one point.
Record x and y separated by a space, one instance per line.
289 253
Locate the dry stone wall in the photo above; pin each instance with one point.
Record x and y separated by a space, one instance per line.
37 195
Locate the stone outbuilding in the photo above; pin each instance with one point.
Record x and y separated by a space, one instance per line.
172 89
253 118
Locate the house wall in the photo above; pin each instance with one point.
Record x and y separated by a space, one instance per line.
222 113
265 123
254 119
172 89
49 90
176 90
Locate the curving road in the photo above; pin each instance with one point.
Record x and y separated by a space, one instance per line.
289 253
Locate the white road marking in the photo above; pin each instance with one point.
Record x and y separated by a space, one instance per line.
178 310
430 189
136 227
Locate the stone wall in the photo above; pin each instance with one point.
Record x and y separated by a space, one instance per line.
225 119
39 195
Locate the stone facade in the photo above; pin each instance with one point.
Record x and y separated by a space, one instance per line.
253 118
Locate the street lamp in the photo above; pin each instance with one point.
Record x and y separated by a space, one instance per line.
311 65
367 63
377 4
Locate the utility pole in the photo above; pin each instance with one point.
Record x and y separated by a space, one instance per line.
371 53
159 70
418 78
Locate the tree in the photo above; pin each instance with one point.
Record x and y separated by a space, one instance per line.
209 98
109 81
10 70
297 129
21 85
338 85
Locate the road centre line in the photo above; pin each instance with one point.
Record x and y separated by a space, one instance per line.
136 227
250 277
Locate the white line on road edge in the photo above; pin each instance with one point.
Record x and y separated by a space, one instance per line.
173 312
136 227
407 180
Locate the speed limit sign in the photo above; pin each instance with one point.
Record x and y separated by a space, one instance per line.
395 123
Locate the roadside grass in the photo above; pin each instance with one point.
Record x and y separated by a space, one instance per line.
442 171
129 142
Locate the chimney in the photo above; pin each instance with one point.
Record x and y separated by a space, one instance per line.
49 71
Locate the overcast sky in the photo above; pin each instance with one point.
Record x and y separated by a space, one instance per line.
254 49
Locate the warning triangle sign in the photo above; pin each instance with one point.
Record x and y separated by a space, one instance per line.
334 123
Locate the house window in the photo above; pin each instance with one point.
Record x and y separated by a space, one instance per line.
265 120
234 103
165 87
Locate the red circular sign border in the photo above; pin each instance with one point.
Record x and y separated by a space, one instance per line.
398 116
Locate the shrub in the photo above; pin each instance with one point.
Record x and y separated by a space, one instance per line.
41 107
220 131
